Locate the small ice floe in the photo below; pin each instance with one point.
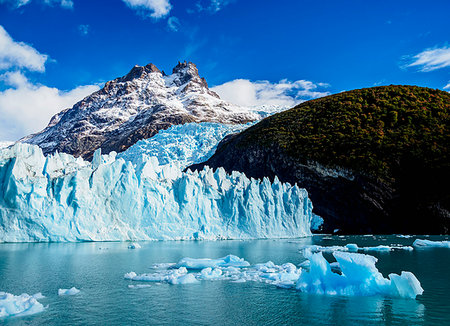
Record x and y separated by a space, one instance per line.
171 276
134 245
406 236
200 263
19 305
421 243
352 274
71 291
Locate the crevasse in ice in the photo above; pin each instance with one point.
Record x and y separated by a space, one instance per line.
62 198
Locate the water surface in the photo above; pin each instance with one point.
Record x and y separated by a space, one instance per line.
97 269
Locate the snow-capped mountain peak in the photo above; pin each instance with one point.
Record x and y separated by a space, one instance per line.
135 107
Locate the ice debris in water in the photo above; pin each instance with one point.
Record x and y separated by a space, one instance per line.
421 243
71 291
134 245
62 198
359 277
352 274
19 305
200 263
354 248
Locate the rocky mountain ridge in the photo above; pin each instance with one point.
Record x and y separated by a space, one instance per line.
134 107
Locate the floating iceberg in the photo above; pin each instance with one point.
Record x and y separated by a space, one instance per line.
200 263
62 198
186 144
134 245
71 291
19 305
172 276
352 274
359 277
421 243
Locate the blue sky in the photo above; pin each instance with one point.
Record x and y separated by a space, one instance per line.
52 52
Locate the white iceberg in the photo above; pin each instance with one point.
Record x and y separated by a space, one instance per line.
61 198
352 274
200 263
172 276
19 305
421 243
359 277
71 291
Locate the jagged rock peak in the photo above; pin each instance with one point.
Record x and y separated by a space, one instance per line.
139 71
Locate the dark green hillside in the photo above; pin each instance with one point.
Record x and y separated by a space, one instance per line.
394 139
369 130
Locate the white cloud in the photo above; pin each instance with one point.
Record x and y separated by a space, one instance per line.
285 93
83 29
27 108
432 59
447 86
173 23
68 4
153 8
19 54
210 5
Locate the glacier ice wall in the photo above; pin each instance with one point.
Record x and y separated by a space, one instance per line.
187 144
61 198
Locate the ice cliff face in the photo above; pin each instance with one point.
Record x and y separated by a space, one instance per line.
62 198
135 107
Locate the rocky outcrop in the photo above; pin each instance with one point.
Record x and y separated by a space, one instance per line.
133 107
363 176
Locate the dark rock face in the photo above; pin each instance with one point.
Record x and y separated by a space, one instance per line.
412 199
355 204
133 107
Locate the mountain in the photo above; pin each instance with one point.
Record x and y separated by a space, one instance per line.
373 160
135 107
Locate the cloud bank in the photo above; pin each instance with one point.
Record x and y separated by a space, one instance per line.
26 107
284 93
19 54
431 59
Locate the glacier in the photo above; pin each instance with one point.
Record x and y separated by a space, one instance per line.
186 144
59 198
352 274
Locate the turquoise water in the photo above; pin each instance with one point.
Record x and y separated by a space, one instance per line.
97 269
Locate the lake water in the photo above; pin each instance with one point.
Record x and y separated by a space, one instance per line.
97 269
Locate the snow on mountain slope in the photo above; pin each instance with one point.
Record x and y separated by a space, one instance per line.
62 198
135 107
186 144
